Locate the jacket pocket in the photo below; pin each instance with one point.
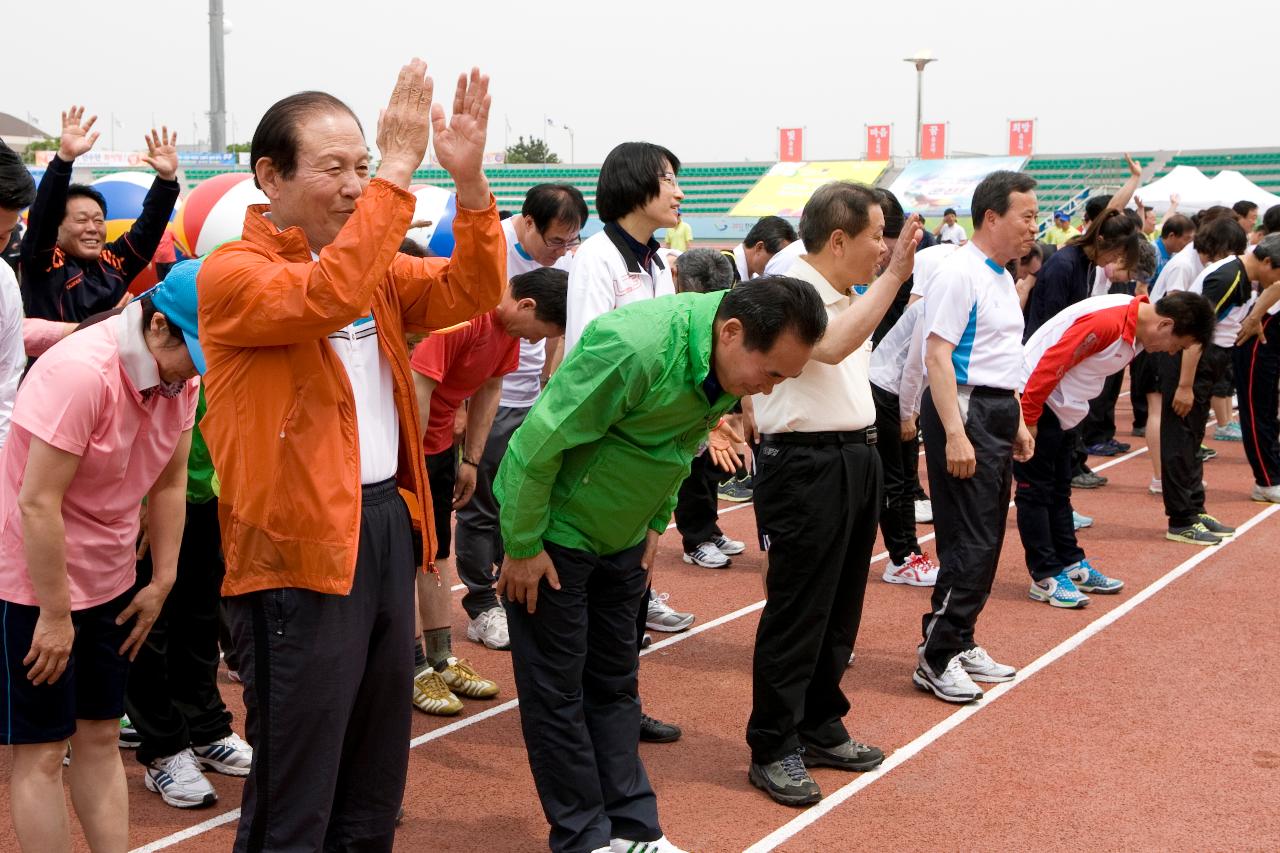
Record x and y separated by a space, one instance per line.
291 414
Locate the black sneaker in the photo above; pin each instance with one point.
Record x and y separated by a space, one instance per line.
656 731
1204 454
786 781
849 755
1217 528
736 490
1103 448
1139 432
1088 480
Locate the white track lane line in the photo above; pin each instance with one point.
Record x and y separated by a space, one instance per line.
901 756
214 822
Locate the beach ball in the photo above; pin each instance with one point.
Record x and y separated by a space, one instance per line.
439 206
124 193
213 212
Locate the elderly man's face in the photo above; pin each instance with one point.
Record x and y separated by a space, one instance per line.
332 172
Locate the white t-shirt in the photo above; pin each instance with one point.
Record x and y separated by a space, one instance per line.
825 397
954 234
890 355
520 388
605 276
1179 273
13 356
780 263
973 304
740 261
927 263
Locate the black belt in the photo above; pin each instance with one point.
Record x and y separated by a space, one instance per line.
984 391
813 439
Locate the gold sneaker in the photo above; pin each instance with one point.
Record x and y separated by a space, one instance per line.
462 678
431 695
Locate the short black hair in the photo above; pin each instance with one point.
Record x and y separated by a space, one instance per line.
17 187
1271 219
771 305
837 206
414 249
1221 237
547 287
894 217
1176 226
1244 207
547 204
630 178
85 191
950 211
1202 218
1191 313
1268 249
1095 205
775 232
702 271
994 191
276 136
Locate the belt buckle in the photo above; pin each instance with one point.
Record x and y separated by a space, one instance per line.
873 435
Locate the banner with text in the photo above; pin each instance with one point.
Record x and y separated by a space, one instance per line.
930 187
791 144
786 187
878 142
1021 137
933 141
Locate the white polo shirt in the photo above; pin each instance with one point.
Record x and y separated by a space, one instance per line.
740 261
973 304
825 397
1179 274
1068 359
605 276
520 388
780 263
927 263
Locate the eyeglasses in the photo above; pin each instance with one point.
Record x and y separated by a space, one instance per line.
669 178
560 245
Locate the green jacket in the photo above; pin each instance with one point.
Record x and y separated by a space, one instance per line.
599 458
200 477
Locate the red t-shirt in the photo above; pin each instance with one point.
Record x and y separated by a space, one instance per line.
461 359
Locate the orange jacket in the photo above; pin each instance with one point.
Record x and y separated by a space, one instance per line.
281 420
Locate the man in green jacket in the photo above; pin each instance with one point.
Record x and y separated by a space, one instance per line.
587 486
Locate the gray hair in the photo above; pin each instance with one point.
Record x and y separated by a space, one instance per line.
1268 249
1145 269
703 271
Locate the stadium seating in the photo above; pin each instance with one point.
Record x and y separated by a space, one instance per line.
1063 178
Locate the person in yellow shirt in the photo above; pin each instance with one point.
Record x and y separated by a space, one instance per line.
680 235
1061 231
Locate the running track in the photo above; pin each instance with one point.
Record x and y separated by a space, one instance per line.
1146 721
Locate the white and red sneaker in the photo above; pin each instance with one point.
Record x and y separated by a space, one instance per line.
918 570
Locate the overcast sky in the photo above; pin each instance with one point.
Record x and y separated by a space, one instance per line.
711 81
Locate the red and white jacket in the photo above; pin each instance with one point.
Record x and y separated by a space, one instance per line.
1067 360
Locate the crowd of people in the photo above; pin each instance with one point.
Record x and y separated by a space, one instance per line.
532 412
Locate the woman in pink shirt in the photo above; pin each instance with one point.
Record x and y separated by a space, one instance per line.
102 420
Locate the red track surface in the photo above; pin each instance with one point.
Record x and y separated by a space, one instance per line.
1157 732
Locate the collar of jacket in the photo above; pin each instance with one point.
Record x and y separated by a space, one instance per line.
702 322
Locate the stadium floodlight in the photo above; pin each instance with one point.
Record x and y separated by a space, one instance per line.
920 60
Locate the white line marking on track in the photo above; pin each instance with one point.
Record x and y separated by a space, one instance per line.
828 804
214 822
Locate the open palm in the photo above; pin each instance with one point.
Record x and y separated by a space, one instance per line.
162 153
459 143
78 136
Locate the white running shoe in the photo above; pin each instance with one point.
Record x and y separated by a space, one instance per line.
924 512
230 756
918 570
1155 487
953 684
179 782
662 845
708 556
981 667
490 628
729 547
662 617
1265 494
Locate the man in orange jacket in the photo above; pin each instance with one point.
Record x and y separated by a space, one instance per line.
312 425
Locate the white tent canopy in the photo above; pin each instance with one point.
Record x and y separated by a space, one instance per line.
1196 192
1230 186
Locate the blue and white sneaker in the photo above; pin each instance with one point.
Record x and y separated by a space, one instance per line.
230 756
1058 591
1080 521
1088 579
179 782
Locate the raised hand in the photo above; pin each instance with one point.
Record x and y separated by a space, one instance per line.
460 142
77 138
903 260
162 153
1135 168
404 126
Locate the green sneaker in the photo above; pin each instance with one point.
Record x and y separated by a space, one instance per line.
129 737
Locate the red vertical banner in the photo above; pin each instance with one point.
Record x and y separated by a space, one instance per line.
933 141
1021 137
791 144
878 142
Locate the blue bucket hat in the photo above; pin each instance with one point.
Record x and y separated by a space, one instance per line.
175 298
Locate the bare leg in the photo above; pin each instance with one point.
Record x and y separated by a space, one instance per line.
36 801
434 598
98 789
1153 433
1222 410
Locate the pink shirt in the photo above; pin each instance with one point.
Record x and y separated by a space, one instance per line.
83 396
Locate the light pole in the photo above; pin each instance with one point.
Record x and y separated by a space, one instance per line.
570 129
217 80
920 60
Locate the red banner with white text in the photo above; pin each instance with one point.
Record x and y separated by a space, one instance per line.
933 141
878 142
1021 137
791 144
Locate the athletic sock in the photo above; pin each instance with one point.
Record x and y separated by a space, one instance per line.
439 647
419 656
